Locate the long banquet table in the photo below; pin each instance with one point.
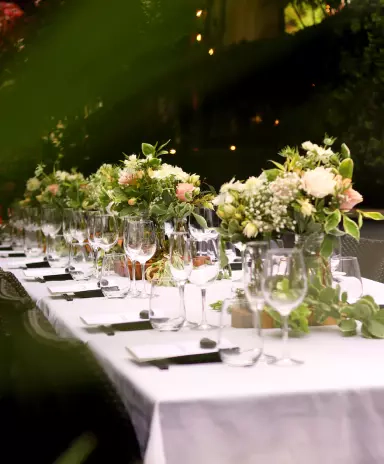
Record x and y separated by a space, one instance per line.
330 410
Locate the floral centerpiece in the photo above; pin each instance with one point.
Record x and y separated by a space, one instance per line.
145 185
311 195
60 188
311 192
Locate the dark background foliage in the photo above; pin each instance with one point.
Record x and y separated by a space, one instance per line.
128 72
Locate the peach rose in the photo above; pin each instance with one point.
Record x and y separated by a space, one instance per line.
127 179
351 199
53 188
182 189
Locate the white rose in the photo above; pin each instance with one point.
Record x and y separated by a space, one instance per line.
233 185
33 184
308 146
306 207
253 184
250 230
319 182
223 198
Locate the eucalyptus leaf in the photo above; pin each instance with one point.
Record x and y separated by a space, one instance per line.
332 221
372 215
148 149
346 168
327 246
351 228
200 220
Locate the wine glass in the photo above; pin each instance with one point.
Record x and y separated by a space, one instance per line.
132 245
336 254
197 231
165 313
32 236
146 251
205 269
180 263
92 239
114 280
105 231
253 268
78 227
82 261
67 221
284 288
58 251
347 275
51 222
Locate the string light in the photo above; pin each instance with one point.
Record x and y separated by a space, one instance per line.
232 147
172 151
277 122
257 119
211 51
199 37
199 13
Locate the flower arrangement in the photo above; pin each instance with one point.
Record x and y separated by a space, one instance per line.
311 192
143 184
60 188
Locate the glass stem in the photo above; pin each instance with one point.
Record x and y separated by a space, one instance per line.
143 278
203 301
134 276
96 257
182 299
259 322
70 255
285 337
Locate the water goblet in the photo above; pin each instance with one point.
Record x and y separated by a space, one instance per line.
114 279
347 275
284 288
205 269
147 249
132 246
180 263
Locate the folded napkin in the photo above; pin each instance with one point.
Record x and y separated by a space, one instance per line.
236 266
57 277
90 294
203 358
73 288
12 254
40 264
5 248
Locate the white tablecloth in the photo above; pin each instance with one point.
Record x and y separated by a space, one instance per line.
330 410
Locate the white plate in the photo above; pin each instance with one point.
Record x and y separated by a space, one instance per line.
72 288
151 352
46 271
109 319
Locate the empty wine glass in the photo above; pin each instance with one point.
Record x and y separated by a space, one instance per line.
180 263
196 229
284 289
82 263
78 227
51 222
206 267
253 269
58 251
33 245
67 224
347 275
92 238
105 231
336 254
165 313
146 251
114 280
132 245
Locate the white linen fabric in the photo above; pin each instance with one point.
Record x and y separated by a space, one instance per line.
330 410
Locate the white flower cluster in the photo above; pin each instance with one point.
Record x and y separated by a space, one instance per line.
33 184
64 176
317 153
268 207
167 170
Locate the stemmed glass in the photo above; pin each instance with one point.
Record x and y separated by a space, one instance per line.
105 231
32 228
132 244
206 267
199 232
147 249
347 275
78 227
284 288
253 268
51 222
91 238
180 263
67 224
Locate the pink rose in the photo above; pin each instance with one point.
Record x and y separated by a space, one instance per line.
182 189
351 199
53 188
127 179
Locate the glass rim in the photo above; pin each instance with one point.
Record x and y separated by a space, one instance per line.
258 242
346 258
282 251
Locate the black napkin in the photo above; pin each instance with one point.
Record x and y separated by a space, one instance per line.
203 358
89 294
7 248
58 277
37 265
236 266
17 255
